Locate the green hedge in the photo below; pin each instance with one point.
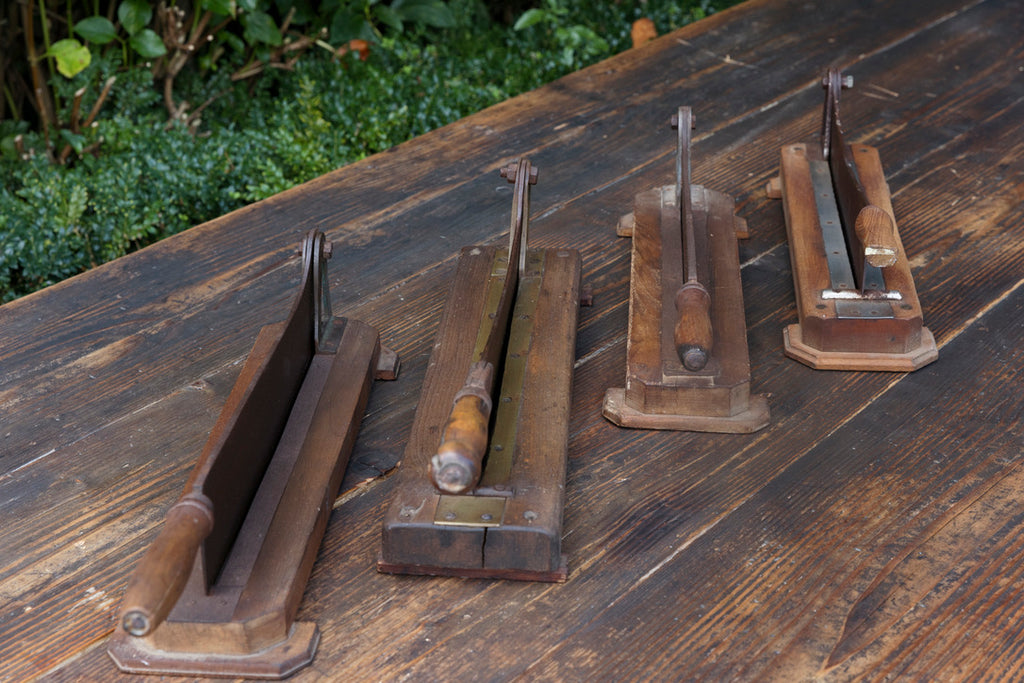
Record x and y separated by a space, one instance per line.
148 179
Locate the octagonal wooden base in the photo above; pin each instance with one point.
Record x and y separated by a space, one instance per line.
851 360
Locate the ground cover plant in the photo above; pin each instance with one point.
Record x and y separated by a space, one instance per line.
122 122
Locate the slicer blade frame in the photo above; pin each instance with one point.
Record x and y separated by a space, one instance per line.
660 392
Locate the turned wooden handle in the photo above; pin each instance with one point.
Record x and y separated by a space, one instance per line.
877 235
693 336
163 572
456 466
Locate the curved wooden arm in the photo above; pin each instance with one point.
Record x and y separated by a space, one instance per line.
457 465
877 236
163 572
693 335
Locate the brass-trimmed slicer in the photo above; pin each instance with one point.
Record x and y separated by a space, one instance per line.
481 485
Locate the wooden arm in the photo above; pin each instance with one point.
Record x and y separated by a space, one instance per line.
877 236
457 465
693 334
163 572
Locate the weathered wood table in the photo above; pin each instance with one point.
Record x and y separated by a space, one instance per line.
875 528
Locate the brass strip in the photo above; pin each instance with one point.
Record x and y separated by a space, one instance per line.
477 511
501 451
495 281
485 507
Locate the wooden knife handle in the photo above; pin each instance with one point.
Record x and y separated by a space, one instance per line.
457 465
877 236
693 335
163 572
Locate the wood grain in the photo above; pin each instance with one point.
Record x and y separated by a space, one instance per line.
870 531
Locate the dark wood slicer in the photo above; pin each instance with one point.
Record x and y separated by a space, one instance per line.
856 301
687 365
217 592
480 494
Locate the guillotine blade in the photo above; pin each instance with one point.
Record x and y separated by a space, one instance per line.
856 301
217 591
687 365
506 522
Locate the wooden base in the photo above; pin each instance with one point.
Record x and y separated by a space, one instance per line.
243 626
557 576
840 360
754 418
892 336
660 393
510 526
137 656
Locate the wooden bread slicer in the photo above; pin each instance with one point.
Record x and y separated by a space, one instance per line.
480 495
687 366
217 592
855 295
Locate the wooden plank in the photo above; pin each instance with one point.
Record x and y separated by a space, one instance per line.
644 513
873 554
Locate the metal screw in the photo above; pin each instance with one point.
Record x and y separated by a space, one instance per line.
487 516
449 515
845 82
509 172
530 515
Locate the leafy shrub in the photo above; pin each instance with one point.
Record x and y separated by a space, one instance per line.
133 177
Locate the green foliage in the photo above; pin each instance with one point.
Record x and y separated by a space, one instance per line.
145 179
569 39
71 56
98 30
362 19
